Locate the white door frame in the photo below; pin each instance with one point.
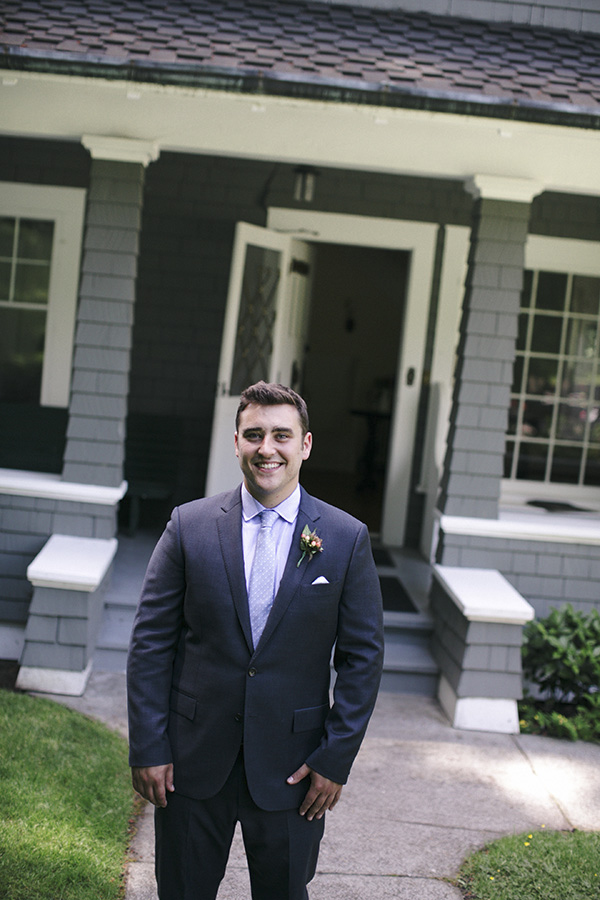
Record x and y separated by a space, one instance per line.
418 238
288 338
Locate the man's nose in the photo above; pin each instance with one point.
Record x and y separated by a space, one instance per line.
267 447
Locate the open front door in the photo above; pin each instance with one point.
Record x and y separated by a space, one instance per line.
263 336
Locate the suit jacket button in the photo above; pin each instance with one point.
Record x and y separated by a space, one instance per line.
238 717
251 672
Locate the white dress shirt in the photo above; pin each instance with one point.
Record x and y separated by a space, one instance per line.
283 530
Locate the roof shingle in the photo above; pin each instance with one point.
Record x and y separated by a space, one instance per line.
447 58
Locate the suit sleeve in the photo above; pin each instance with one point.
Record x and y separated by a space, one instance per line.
358 661
155 636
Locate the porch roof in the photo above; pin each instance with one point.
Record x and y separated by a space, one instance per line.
336 53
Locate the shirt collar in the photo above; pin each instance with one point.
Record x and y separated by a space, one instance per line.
287 509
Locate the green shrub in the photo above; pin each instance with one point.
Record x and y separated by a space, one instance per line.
561 654
561 658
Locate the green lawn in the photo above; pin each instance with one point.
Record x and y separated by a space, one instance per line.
540 865
65 803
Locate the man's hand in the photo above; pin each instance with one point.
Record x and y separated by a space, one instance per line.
322 795
153 782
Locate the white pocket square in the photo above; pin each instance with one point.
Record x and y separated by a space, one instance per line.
320 580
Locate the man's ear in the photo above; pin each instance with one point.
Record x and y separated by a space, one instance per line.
307 445
235 441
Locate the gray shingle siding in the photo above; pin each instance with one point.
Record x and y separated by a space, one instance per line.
102 347
26 523
546 573
478 659
485 359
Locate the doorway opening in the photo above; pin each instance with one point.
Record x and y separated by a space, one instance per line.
349 379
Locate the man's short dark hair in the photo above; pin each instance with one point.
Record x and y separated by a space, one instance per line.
264 394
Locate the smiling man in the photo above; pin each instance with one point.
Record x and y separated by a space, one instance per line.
246 597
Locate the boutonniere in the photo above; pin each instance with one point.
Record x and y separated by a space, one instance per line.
310 543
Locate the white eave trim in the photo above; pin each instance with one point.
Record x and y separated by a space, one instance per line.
297 130
17 482
527 526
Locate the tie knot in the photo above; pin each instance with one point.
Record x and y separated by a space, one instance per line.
268 517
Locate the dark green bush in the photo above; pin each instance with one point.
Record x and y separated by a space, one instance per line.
561 661
561 654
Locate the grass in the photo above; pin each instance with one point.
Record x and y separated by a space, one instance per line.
65 803
541 865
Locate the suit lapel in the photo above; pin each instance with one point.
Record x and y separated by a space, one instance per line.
293 574
229 527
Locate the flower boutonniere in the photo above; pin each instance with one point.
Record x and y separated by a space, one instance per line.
310 543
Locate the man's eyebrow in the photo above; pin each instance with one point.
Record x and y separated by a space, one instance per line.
251 429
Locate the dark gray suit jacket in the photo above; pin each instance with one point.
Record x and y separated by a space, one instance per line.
197 688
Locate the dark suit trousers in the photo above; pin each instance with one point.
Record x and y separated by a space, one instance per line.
193 839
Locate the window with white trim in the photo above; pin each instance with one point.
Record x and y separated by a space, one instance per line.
40 245
554 424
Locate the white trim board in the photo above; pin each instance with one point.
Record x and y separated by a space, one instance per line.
525 526
313 132
21 483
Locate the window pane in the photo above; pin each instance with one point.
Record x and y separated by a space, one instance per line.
5 281
21 354
517 375
526 291
522 335
508 459
35 239
551 291
546 334
532 461
566 464
594 417
541 378
576 380
554 418
586 295
513 414
581 338
537 418
7 233
254 339
571 422
592 468
31 283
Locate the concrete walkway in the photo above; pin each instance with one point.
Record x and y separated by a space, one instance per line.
421 797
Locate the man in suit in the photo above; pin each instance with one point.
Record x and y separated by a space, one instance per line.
230 716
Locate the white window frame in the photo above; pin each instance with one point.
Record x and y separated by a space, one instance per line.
66 208
574 257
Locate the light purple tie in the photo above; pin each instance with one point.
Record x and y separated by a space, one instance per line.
261 591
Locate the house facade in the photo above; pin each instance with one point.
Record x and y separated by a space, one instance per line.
394 209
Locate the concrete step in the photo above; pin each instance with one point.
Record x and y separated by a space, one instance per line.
408 664
113 640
